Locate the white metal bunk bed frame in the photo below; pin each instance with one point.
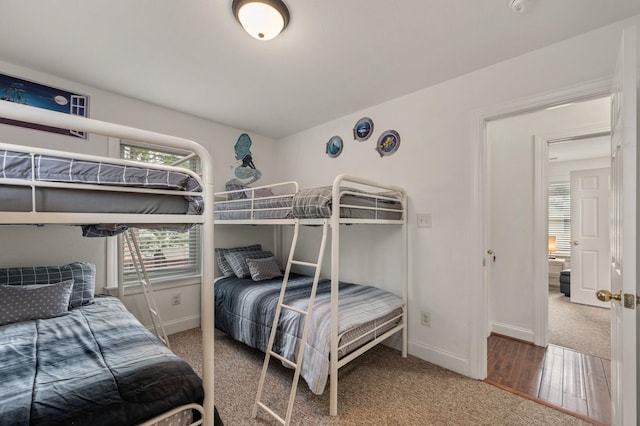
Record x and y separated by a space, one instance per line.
334 222
50 118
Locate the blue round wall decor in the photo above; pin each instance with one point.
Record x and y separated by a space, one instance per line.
334 146
363 129
388 143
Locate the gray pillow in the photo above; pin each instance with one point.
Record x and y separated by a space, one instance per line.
30 302
224 266
83 275
263 269
238 261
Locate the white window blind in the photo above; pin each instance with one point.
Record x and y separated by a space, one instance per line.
560 216
166 254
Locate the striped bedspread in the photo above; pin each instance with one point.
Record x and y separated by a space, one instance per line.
245 310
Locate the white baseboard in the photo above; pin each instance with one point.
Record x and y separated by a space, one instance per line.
178 325
439 357
512 331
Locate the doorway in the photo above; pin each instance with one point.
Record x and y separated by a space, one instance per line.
518 172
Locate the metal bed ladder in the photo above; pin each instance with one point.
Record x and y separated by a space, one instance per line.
303 340
147 290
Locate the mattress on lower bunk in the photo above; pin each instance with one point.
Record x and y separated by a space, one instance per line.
18 165
96 364
245 309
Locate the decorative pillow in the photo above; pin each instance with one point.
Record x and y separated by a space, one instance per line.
262 193
226 270
263 269
234 185
30 302
238 261
83 275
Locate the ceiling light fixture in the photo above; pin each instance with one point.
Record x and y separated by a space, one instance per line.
262 19
517 5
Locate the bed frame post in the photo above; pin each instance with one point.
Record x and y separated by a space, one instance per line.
206 289
335 277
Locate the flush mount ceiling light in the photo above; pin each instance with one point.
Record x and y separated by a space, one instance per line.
262 19
517 5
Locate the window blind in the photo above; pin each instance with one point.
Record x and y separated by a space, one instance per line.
560 216
166 254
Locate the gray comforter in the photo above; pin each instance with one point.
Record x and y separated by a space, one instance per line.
97 365
245 310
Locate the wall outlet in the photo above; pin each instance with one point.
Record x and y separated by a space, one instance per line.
175 299
424 220
426 319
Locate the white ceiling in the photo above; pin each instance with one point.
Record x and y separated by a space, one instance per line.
336 57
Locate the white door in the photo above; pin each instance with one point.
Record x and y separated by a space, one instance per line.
589 235
623 234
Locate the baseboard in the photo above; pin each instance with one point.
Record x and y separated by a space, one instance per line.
439 357
519 333
178 325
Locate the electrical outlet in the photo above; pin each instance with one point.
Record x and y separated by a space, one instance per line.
424 220
175 299
426 319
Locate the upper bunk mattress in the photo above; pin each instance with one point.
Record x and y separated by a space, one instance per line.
18 165
96 364
354 204
313 203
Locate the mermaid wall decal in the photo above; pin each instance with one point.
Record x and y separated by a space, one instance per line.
247 169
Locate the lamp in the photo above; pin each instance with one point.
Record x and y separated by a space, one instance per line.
552 245
262 19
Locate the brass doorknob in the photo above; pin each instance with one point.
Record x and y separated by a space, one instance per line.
606 295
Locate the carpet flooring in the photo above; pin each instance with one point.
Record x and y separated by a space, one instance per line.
583 328
378 388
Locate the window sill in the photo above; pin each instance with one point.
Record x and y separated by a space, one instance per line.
158 285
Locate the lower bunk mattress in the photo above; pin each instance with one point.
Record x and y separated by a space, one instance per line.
96 365
244 309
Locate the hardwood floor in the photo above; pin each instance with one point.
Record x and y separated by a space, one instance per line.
573 382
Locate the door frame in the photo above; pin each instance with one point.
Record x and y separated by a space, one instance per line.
541 223
480 223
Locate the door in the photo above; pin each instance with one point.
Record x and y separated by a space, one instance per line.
589 235
624 233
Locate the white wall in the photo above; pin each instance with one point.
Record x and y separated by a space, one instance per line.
511 170
435 163
53 245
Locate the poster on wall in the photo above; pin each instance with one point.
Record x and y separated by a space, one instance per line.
13 89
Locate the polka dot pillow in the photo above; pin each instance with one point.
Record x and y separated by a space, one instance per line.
30 302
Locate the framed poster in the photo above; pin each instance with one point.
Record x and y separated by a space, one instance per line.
13 89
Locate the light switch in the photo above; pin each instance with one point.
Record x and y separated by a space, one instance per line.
424 220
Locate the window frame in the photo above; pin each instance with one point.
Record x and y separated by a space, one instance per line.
163 276
559 225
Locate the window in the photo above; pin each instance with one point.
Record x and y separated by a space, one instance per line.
166 254
560 216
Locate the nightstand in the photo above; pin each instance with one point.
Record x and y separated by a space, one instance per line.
555 266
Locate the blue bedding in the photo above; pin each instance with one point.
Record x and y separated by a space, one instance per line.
96 365
245 310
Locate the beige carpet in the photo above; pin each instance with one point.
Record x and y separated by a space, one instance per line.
583 328
379 388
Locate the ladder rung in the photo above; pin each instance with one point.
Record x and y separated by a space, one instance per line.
299 262
283 359
270 411
300 311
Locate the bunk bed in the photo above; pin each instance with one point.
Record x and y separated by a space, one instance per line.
245 308
92 359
